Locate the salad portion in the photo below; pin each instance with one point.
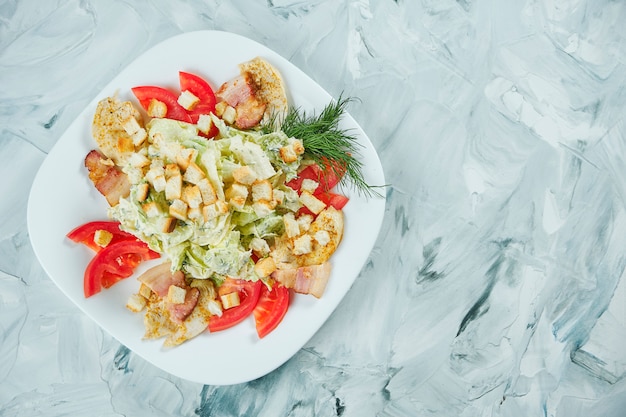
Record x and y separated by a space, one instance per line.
233 189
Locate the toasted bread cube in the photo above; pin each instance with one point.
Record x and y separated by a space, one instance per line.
131 126
311 202
193 174
229 115
185 156
157 108
265 266
292 229
262 208
151 209
288 154
159 183
236 195
102 237
136 303
188 100
210 211
178 209
230 300
298 147
244 175
322 237
176 295
262 190
205 123
172 170
144 291
156 170
220 107
279 196
309 185
192 196
207 191
302 245
143 190
259 246
138 160
195 213
139 137
169 224
304 222
174 187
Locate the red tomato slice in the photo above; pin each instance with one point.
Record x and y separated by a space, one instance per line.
198 87
174 110
249 293
327 179
337 201
113 263
85 233
270 309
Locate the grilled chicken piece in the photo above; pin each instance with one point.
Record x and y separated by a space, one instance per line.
177 321
117 128
109 180
256 93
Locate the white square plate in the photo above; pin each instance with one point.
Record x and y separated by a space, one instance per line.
62 197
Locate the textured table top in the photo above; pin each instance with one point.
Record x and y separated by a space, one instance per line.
496 286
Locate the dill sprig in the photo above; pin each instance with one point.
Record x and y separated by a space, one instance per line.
326 143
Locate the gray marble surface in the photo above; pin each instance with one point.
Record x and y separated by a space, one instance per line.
496 286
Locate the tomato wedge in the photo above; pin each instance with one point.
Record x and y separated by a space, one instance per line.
337 201
174 110
113 263
327 179
249 293
85 233
270 309
198 87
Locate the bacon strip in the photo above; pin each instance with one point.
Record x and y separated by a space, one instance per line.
179 312
108 179
240 93
305 279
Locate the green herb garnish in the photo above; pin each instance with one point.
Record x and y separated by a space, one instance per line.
326 144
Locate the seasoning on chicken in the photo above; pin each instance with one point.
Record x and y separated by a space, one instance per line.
117 128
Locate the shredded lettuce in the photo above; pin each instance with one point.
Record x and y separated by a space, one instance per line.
216 247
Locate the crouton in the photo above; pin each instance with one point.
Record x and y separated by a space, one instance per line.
193 174
174 187
236 195
192 196
230 300
188 100
264 267
311 202
262 190
302 245
244 175
102 237
143 190
207 191
136 303
157 108
292 229
178 209
176 295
